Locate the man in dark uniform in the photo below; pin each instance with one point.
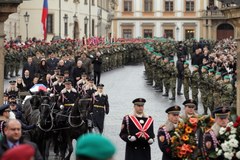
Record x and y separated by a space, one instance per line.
12 89
100 107
137 132
166 131
210 138
52 62
68 96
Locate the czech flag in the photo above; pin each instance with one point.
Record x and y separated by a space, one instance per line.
38 87
44 18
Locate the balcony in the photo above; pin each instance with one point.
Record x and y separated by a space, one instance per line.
212 14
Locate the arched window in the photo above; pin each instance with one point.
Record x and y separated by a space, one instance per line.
148 5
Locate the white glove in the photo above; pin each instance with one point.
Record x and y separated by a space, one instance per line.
132 138
150 141
51 95
61 107
48 89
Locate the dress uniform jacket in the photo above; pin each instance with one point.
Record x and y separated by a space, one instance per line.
57 87
164 140
68 97
139 149
52 64
100 107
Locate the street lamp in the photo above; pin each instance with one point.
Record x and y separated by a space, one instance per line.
75 18
85 22
26 18
65 18
177 29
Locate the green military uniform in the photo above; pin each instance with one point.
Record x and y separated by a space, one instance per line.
217 89
186 80
227 89
204 86
166 77
195 83
159 82
173 77
211 80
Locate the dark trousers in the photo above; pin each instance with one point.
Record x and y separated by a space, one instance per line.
97 76
179 85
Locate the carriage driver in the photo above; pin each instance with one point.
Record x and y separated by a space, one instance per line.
68 96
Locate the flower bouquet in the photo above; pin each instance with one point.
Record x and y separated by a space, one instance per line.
229 147
184 141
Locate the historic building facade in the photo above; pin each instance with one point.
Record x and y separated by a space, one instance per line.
178 19
66 18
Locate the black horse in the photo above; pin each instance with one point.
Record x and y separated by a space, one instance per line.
77 121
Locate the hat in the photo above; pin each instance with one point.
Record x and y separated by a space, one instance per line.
172 61
84 74
5 94
12 96
139 101
196 66
173 110
226 77
60 75
205 67
211 70
95 146
20 152
12 82
187 63
218 73
100 85
221 112
67 81
190 102
66 72
3 107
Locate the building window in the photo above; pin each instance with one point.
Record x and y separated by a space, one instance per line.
127 5
85 1
168 5
93 27
189 5
147 33
50 23
85 29
93 2
189 33
127 33
168 33
148 5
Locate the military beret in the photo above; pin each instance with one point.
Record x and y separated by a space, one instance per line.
3 108
100 85
20 152
218 73
5 94
94 146
172 61
211 70
196 66
221 112
173 110
67 81
12 82
205 67
66 72
60 75
190 102
187 63
139 101
12 96
226 77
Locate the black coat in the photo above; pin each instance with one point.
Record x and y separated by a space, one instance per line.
180 69
197 59
139 149
77 72
97 63
31 68
4 147
27 82
52 64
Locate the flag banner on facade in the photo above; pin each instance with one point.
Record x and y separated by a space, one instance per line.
44 18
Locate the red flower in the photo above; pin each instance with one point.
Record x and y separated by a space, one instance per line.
238 119
236 124
167 149
228 129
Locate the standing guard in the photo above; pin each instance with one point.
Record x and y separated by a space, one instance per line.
137 132
100 107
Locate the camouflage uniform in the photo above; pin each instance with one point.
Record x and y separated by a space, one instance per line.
195 84
186 81
204 90
173 77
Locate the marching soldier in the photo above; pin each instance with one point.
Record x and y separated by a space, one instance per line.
137 132
210 89
100 108
227 89
186 80
217 87
194 83
166 130
166 76
58 85
210 138
204 88
173 77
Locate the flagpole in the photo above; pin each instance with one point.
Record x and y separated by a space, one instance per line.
60 8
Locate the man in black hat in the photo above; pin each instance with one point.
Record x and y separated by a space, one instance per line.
4 116
58 85
68 96
12 89
100 108
210 138
137 132
189 110
166 130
